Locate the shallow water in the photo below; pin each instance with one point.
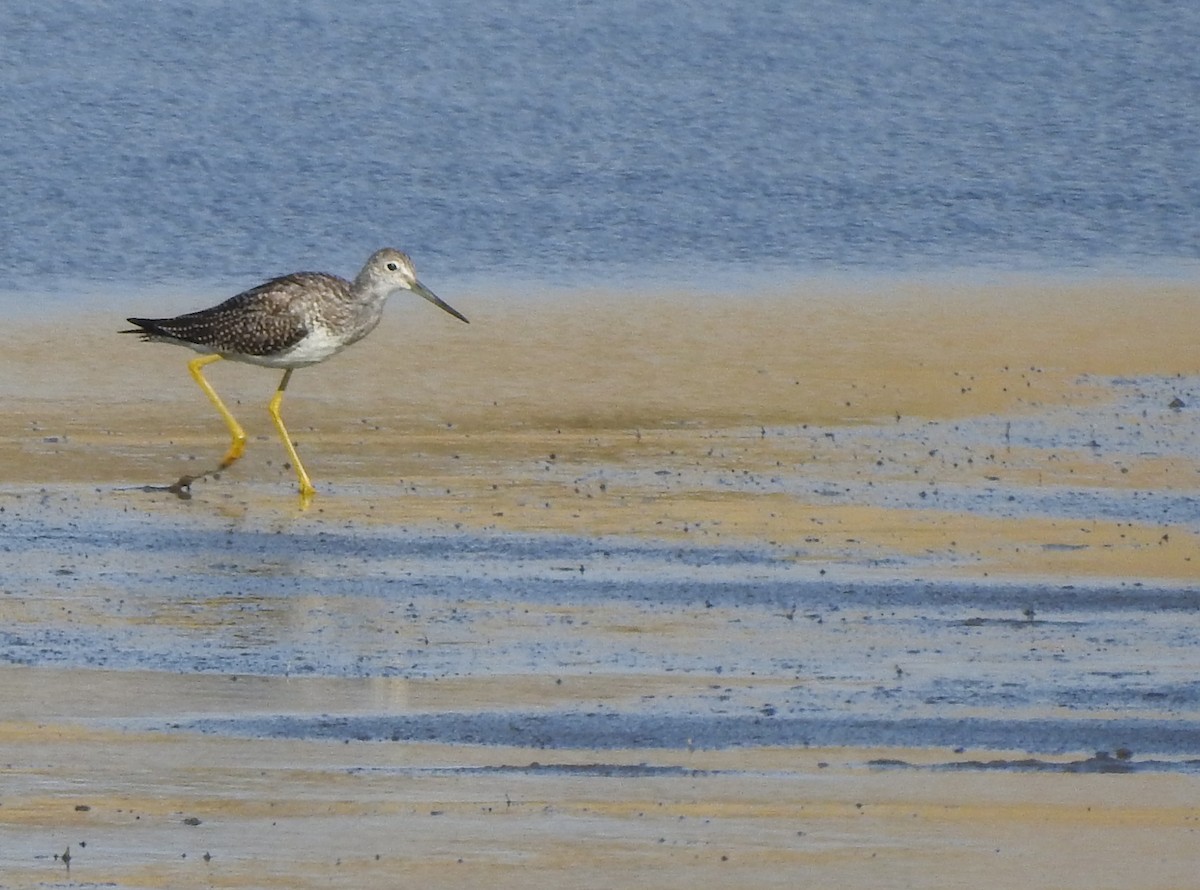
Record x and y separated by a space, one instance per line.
188 148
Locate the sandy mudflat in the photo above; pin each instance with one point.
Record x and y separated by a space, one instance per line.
829 588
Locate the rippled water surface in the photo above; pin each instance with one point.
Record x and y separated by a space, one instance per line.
174 144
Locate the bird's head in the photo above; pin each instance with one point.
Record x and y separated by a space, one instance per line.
391 270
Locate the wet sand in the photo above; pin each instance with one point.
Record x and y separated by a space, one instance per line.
840 588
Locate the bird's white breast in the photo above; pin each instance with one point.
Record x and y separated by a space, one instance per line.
317 346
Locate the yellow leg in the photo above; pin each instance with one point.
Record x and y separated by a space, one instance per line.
306 486
238 445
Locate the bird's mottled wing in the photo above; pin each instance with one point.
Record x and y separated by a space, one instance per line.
261 321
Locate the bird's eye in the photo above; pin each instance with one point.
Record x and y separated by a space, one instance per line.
392 267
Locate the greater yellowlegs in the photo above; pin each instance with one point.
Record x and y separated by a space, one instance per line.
289 322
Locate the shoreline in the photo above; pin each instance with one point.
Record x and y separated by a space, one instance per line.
737 547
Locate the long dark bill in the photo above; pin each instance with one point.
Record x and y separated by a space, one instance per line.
433 298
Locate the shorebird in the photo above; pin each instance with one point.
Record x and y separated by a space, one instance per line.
289 322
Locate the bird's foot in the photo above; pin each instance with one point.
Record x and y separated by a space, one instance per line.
182 488
232 456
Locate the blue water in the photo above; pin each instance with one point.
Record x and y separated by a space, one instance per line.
181 144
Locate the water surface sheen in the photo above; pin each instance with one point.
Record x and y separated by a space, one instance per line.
696 142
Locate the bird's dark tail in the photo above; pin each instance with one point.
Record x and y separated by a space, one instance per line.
146 327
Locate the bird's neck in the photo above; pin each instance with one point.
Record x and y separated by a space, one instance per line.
364 305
